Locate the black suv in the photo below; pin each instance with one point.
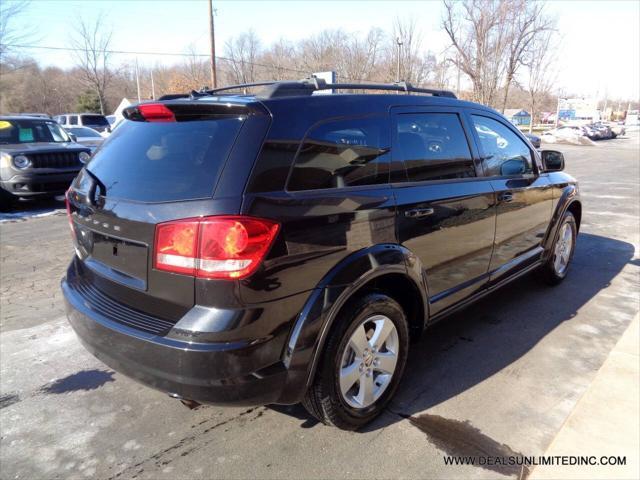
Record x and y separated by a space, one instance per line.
37 158
285 246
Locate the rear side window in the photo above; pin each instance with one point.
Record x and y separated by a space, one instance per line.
503 152
273 165
433 146
342 153
73 120
159 162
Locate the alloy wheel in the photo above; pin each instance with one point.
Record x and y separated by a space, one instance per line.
368 361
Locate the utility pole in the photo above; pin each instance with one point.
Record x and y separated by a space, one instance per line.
212 39
557 122
137 79
399 42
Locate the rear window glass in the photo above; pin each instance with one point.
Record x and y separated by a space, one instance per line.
95 120
159 162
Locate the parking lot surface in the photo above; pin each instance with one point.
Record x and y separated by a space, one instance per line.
497 379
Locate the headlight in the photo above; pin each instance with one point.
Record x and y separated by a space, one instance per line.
84 157
5 160
21 162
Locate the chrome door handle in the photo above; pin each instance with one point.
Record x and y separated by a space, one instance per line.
418 212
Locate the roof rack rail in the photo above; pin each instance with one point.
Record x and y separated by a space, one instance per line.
206 92
307 86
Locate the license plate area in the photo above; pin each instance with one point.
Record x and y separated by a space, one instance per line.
121 260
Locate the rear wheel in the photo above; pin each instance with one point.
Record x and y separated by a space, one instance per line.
362 363
555 268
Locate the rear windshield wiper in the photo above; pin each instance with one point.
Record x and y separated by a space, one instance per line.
95 185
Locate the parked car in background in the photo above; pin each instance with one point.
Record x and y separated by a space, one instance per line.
602 130
617 128
37 159
86 136
610 129
285 246
92 120
534 139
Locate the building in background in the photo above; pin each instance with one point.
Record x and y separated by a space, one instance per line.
518 116
578 110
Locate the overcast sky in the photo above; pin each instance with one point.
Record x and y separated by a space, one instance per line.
599 51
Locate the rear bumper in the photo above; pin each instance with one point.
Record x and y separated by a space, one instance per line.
35 185
225 373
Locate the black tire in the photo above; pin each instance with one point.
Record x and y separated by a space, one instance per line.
324 399
548 272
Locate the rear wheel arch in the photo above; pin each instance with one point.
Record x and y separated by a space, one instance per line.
404 291
387 281
391 268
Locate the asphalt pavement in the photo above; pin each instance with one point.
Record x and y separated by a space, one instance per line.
498 379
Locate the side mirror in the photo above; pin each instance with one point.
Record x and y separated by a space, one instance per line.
552 160
73 137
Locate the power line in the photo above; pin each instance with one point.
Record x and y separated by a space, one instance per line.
172 54
175 54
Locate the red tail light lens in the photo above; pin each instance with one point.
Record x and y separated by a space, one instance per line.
214 247
156 112
176 246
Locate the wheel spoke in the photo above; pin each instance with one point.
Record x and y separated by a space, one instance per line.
349 375
365 394
386 362
557 262
384 327
358 341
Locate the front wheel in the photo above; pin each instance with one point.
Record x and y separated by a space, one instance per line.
362 363
554 270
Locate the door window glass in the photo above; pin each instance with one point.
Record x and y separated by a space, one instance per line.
73 119
504 153
433 146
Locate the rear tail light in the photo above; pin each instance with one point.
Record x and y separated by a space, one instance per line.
214 247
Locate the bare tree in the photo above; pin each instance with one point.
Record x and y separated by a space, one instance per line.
91 43
526 22
413 64
196 70
281 57
479 34
243 52
9 34
540 75
361 56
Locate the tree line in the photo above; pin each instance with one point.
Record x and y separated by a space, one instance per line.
500 53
